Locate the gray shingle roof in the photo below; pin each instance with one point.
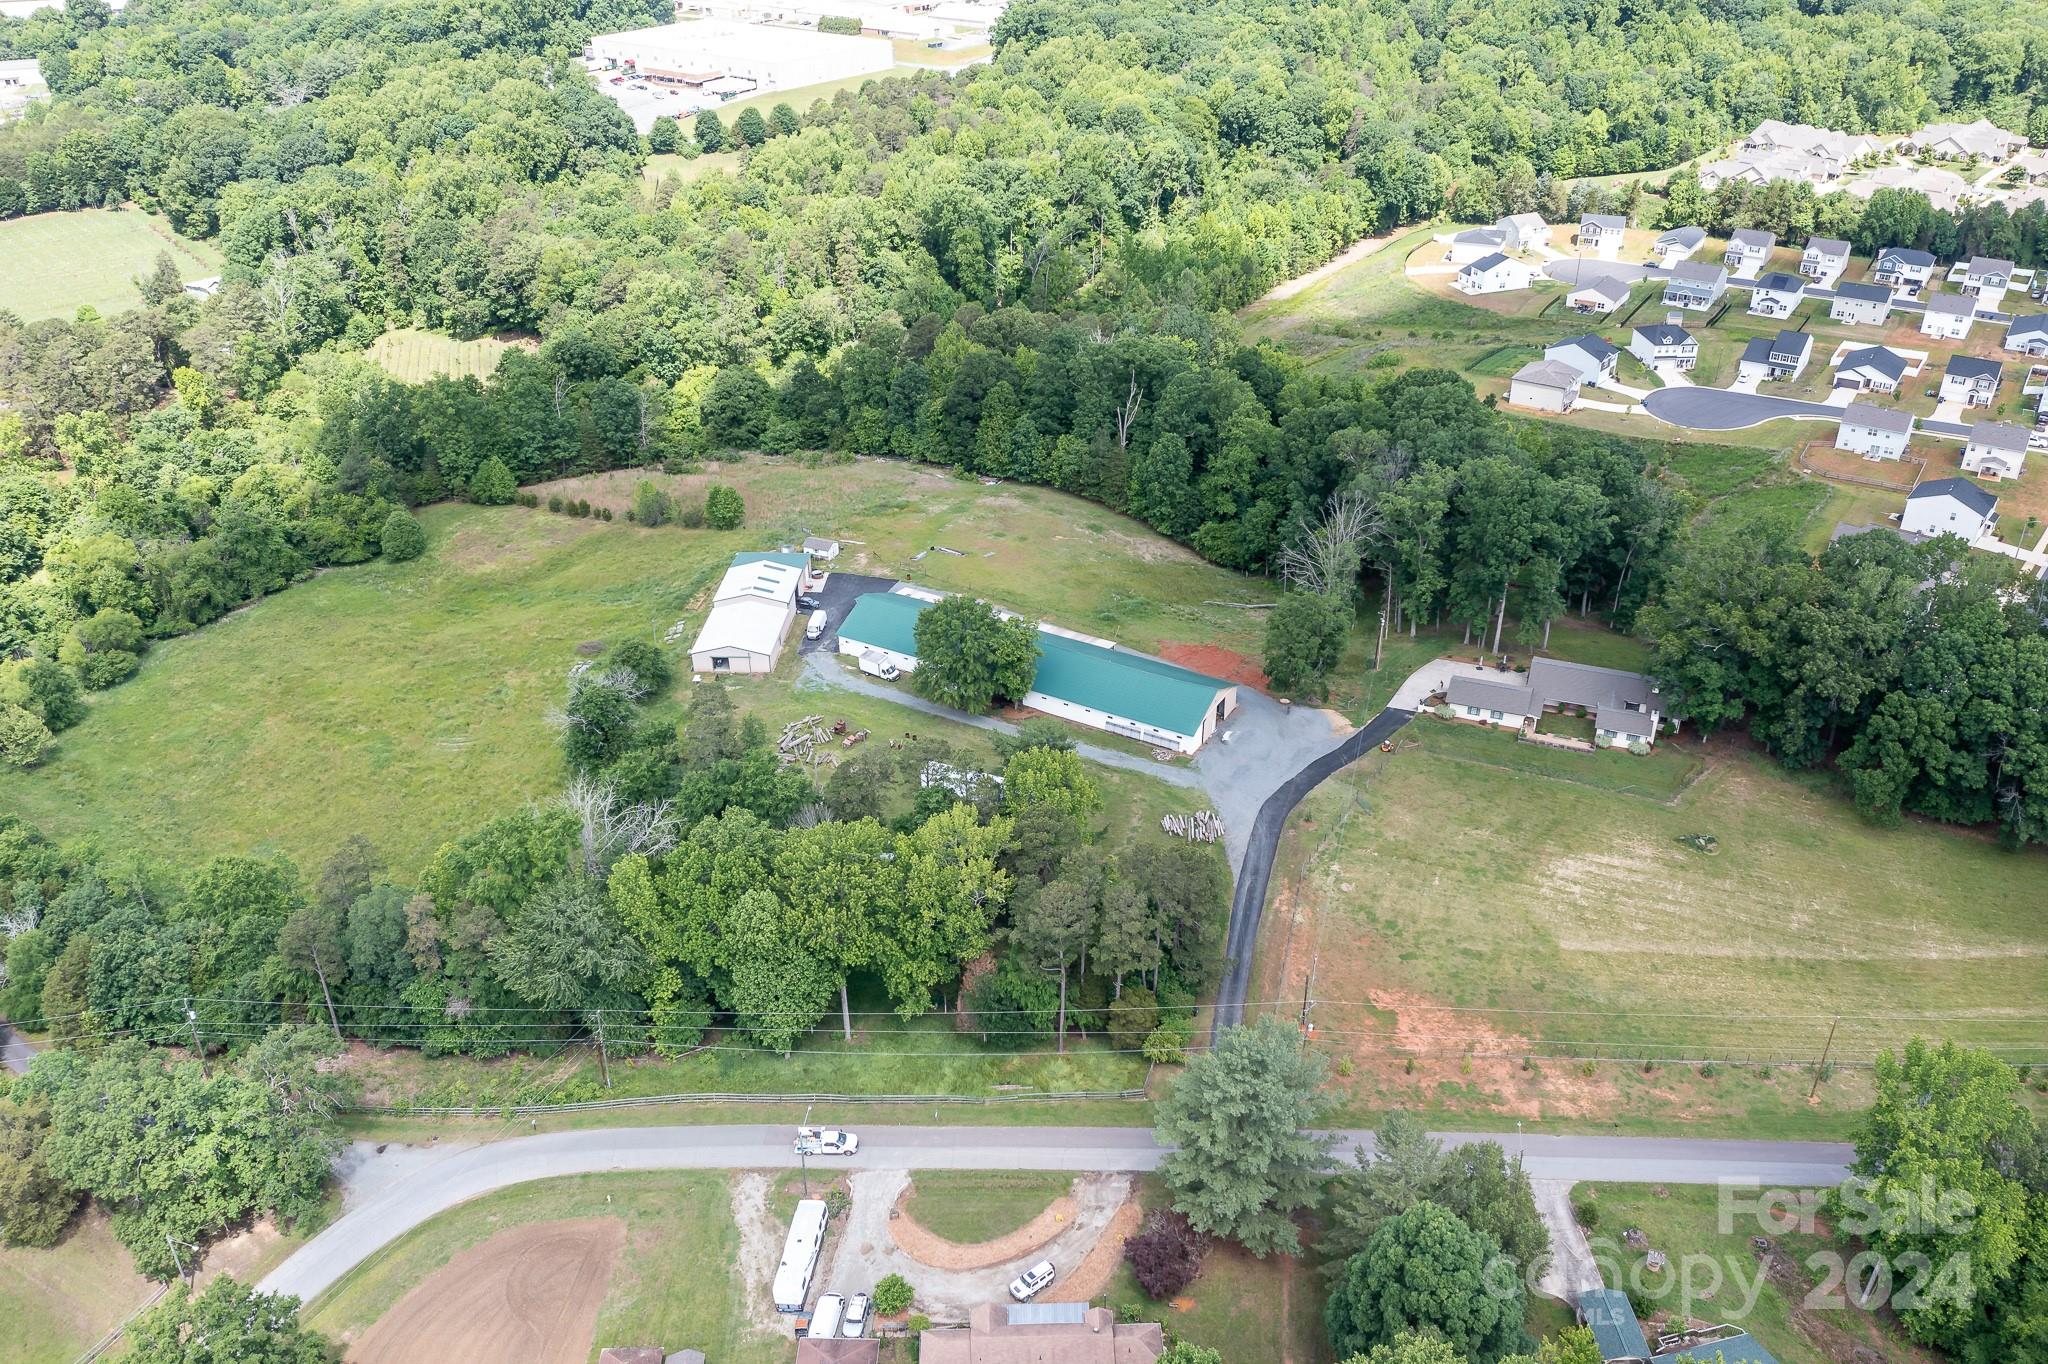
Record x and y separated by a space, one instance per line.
1971 367
1877 418
1697 272
1663 334
1682 237
1961 489
1778 282
1553 681
1594 345
1603 222
1868 293
2000 436
1752 237
1758 351
1951 304
1507 697
1485 263
1828 246
1907 255
2028 326
1791 343
1990 265
1889 363
1548 373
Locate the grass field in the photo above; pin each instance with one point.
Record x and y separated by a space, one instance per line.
682 170
1472 900
56 1302
53 264
971 1206
413 356
1707 1249
675 1281
408 701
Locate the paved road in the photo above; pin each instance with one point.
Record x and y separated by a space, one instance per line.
1720 409
15 1052
382 1207
1248 904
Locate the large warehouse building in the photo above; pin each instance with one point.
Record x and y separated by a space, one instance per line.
751 613
1089 681
698 52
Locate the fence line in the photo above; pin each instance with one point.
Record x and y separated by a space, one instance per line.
652 1100
111 1338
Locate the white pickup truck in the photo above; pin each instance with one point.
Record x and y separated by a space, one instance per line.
825 1141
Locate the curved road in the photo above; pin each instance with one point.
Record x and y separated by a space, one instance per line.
1720 409
1248 901
392 1191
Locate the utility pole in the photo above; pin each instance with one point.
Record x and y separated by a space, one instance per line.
1379 643
177 1259
192 1022
604 1058
1824 1053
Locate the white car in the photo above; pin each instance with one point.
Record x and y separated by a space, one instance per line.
1032 1281
825 1318
855 1323
825 1141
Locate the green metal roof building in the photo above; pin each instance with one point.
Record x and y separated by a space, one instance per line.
800 562
1608 1315
1098 685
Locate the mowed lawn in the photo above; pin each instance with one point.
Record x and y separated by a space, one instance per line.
408 702
1470 899
677 1280
53 264
413 356
971 1206
56 1302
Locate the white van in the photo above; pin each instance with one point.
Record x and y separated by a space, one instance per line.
816 626
825 1317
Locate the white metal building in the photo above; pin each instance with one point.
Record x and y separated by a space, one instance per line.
697 51
751 613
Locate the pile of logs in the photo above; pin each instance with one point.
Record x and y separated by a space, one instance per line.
800 739
1203 826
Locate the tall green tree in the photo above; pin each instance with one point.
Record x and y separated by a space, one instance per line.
228 1323
968 657
1425 1270
1240 1117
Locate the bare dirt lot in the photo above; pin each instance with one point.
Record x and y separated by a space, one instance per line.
526 1296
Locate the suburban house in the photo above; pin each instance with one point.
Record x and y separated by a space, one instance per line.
1601 295
1944 189
1971 380
1661 343
1695 286
1825 258
1475 244
820 549
1680 243
1875 432
1960 141
1748 249
1782 356
1903 268
1772 135
2028 335
1089 681
1986 278
1948 316
1523 231
1624 706
21 83
751 611
1591 357
1789 151
1545 386
1602 234
1776 294
1607 1313
1495 274
1949 506
1996 450
1861 304
1042 1333
1872 369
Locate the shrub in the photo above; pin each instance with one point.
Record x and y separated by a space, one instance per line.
1132 1017
554 502
402 539
604 513
492 485
918 1322
724 508
1166 1254
104 649
1587 1211
24 740
652 504
891 1295
1168 1043
645 661
690 516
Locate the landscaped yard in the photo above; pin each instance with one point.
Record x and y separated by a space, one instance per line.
408 701
53 264
971 1206
675 1280
1765 1295
1471 900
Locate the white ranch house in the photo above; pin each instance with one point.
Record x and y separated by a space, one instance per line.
1599 296
1872 369
1624 707
2028 335
1476 244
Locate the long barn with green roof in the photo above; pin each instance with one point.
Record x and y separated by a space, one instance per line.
1089 681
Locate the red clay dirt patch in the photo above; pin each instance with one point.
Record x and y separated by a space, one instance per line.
1216 661
526 1296
929 1248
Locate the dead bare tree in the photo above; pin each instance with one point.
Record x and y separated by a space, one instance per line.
609 828
1127 413
1325 559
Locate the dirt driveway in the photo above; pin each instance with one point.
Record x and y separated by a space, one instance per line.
864 1250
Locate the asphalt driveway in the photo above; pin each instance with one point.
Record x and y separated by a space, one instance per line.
1720 409
836 598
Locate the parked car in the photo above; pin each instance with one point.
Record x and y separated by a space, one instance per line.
825 1317
874 665
1032 1281
814 627
639 85
855 1323
618 80
825 1141
806 601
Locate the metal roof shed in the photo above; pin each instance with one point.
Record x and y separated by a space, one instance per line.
1608 1315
